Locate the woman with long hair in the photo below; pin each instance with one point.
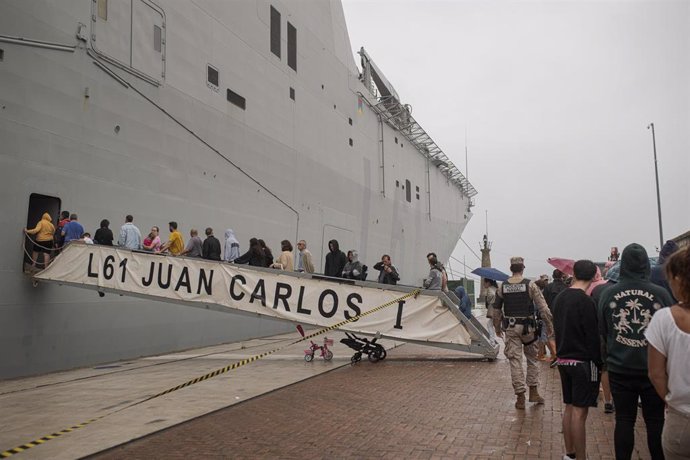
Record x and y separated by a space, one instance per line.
268 255
668 335
254 256
104 235
285 260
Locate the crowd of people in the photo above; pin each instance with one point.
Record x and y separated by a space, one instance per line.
627 335
49 239
633 329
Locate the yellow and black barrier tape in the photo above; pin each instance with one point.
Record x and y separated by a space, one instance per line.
217 372
46 438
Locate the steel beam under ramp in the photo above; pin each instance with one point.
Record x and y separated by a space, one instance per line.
395 312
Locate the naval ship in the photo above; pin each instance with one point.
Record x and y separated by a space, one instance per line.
252 115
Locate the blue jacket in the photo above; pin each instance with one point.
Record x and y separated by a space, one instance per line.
465 302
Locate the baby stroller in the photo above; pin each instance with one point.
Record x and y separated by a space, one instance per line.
373 350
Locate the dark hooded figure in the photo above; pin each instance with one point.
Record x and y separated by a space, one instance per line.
625 309
254 256
658 275
554 288
465 302
335 260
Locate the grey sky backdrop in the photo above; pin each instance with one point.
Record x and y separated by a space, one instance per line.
556 98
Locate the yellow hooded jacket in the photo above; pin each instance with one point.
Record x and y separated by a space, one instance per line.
44 228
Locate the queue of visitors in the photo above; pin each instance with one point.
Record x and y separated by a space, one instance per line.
49 240
629 334
623 326
337 263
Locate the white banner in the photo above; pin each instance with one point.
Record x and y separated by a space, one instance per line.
273 293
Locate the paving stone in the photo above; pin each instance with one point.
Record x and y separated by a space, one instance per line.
403 407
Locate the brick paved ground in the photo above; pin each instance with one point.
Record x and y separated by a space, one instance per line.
403 407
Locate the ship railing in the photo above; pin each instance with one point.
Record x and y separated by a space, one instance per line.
398 117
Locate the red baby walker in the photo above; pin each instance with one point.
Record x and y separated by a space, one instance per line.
309 353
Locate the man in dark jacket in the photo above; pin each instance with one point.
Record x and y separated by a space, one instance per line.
335 260
625 310
388 274
658 275
211 248
554 288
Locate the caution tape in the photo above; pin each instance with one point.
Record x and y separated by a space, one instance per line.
217 372
39 441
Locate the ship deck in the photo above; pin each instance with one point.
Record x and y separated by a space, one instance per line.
421 402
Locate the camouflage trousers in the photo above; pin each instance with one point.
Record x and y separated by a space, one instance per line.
513 352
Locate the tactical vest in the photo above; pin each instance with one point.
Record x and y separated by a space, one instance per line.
516 299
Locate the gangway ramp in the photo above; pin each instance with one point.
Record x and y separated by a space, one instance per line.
393 312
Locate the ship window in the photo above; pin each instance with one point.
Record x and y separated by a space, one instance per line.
39 204
408 191
103 9
2 54
417 188
397 183
401 145
236 99
396 140
351 142
350 121
212 76
157 38
292 93
275 31
292 47
418 196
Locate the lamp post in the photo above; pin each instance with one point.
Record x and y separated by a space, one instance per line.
658 197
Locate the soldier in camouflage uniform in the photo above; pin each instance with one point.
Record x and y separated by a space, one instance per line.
514 314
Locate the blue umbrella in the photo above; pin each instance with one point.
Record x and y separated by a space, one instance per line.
491 273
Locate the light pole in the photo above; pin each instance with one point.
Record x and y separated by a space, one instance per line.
658 197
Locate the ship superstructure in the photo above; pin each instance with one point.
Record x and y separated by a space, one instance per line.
248 115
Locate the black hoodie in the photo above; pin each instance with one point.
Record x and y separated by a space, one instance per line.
335 260
658 275
625 310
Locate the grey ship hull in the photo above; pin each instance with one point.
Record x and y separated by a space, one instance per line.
109 138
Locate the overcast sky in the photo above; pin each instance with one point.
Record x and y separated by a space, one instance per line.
556 97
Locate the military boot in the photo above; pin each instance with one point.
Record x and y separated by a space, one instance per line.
534 396
520 402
